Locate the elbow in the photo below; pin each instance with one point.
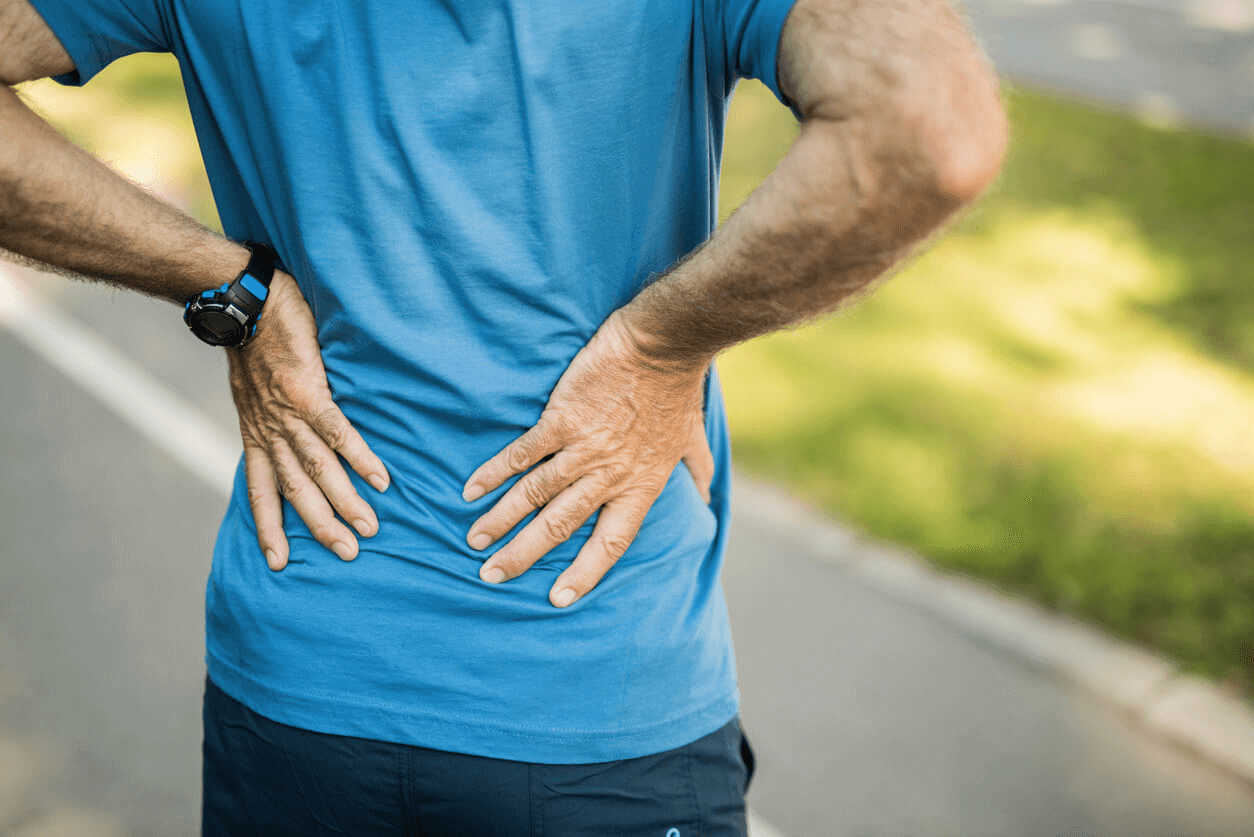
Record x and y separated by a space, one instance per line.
960 135
966 158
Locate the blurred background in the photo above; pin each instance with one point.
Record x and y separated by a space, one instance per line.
1056 399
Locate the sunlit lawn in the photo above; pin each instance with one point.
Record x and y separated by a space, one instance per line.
1056 398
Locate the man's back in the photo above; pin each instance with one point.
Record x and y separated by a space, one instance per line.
456 255
465 192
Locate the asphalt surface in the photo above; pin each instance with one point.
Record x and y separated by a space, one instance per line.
1169 60
870 718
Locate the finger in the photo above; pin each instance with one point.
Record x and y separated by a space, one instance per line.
700 461
263 497
336 430
616 528
324 468
311 504
532 492
518 456
555 524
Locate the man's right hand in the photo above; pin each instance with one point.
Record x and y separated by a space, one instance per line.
63 207
293 431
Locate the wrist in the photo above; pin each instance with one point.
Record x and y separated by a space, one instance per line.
228 315
224 264
655 345
203 266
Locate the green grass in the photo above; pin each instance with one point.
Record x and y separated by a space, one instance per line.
1057 398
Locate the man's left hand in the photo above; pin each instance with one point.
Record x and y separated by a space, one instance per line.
609 438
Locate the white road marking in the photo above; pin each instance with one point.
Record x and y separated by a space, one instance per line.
167 420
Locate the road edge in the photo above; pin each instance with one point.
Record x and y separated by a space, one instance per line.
1149 688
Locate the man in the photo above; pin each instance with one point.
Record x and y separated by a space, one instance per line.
500 214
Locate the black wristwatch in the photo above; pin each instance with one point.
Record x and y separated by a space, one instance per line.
227 316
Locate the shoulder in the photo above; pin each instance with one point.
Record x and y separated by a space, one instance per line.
28 47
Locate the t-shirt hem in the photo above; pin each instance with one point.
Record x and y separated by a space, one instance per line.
424 728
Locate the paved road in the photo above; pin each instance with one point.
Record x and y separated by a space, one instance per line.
870 717
1167 59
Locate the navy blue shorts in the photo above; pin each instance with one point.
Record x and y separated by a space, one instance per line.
272 780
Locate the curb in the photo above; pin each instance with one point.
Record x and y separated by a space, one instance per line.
1185 710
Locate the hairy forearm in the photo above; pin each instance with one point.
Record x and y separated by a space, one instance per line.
61 207
902 126
805 242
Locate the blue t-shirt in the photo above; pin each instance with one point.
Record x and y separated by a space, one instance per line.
464 190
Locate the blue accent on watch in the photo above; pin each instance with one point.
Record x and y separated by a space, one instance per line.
250 284
215 316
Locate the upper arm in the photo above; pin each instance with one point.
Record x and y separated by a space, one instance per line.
845 54
28 48
907 73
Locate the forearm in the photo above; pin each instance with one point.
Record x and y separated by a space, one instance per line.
902 126
62 207
802 244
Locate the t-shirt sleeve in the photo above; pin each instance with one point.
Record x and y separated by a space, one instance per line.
97 32
747 32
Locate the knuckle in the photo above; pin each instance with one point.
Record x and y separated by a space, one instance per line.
549 479
288 487
558 527
615 546
518 456
309 404
315 468
534 492
292 427
330 426
566 425
258 498
616 472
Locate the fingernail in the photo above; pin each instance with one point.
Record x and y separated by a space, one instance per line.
472 492
272 558
564 597
493 575
363 527
343 550
480 541
378 481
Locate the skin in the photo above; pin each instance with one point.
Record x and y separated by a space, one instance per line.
61 207
902 125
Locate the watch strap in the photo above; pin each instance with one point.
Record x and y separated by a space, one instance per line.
259 272
228 315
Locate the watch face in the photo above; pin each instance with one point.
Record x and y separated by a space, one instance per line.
218 328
